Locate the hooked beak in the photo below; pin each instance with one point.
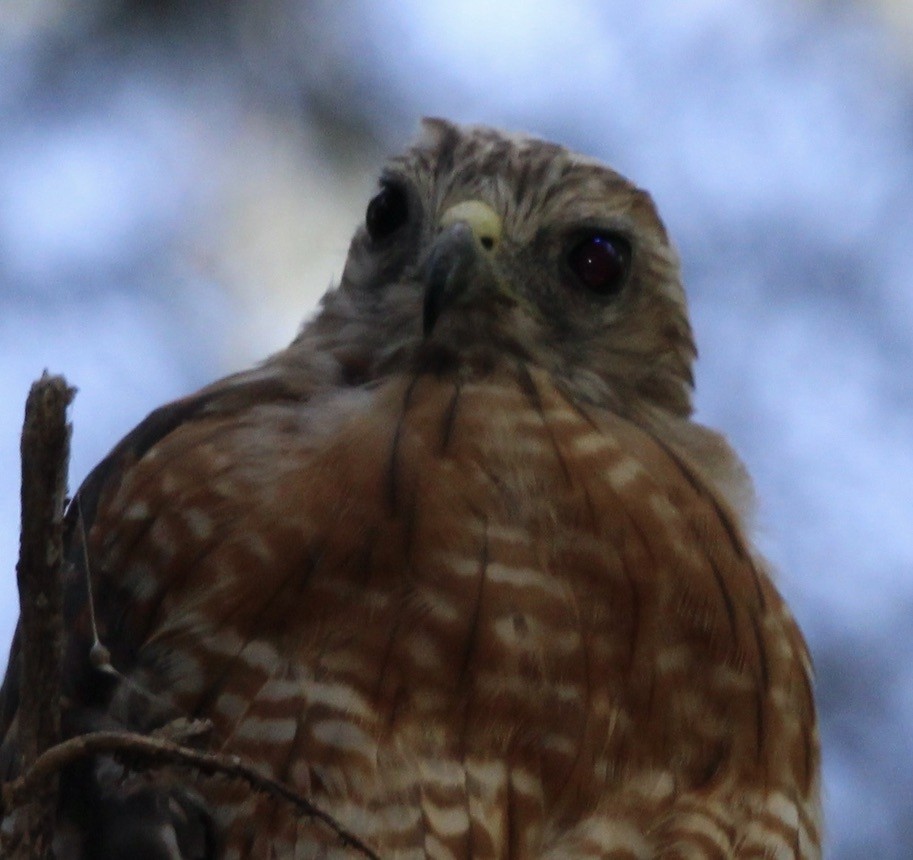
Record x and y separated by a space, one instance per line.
458 262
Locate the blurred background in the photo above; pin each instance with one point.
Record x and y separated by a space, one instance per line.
178 183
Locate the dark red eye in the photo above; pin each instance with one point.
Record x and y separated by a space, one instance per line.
387 212
600 262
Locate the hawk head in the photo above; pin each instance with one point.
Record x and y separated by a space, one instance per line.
482 249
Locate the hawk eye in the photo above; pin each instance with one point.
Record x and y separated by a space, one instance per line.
387 212
600 262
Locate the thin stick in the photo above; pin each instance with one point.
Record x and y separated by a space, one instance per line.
130 748
45 450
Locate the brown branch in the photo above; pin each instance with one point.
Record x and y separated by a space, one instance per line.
45 451
129 748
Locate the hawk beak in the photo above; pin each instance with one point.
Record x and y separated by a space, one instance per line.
459 259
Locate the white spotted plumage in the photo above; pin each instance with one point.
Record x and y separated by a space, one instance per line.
457 565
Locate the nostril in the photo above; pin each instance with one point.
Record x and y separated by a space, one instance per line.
479 217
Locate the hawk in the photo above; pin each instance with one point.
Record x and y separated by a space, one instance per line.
457 564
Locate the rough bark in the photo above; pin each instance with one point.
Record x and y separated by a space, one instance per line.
45 451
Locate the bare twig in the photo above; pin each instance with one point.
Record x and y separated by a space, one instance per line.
45 453
133 748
